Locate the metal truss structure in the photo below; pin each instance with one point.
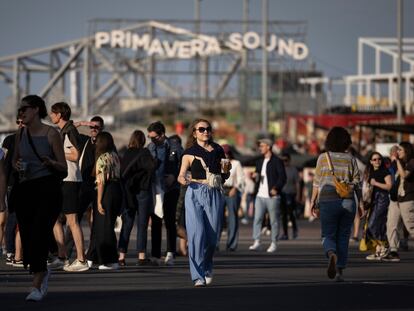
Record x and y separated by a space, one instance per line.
382 79
117 80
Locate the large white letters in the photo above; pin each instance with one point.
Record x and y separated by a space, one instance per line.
203 46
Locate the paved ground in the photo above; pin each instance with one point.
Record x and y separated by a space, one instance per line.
293 278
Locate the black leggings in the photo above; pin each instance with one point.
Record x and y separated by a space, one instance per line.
37 210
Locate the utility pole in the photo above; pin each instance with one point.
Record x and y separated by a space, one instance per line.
399 63
243 83
197 58
265 112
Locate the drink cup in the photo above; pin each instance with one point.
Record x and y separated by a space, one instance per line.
225 166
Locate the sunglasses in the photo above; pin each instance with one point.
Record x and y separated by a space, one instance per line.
376 159
18 122
202 129
95 127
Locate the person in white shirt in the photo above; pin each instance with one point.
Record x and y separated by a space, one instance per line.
232 192
60 115
270 178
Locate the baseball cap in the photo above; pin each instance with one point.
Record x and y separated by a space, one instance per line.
266 141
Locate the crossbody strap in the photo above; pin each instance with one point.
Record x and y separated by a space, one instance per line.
29 137
330 165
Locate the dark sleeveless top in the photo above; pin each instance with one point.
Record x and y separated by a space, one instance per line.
211 158
35 168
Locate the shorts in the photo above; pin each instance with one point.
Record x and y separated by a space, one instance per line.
70 195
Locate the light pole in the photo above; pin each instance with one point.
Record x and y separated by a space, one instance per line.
265 121
399 60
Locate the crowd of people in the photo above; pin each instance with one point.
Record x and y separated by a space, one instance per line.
52 177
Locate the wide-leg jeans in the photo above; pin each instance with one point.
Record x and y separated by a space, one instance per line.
203 213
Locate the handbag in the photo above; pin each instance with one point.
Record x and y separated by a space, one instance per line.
343 189
58 174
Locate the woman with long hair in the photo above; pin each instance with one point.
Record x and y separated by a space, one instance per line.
336 212
137 169
403 208
102 249
38 156
203 198
378 176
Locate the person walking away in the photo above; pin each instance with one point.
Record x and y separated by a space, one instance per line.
137 170
203 199
289 197
102 249
39 190
60 115
403 209
378 176
166 190
336 213
270 178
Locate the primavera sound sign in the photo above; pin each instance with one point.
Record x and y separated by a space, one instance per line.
202 45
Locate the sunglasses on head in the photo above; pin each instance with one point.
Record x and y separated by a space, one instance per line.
202 129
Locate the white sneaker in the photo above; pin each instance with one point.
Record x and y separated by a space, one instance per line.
111 266
255 246
375 256
45 282
90 263
77 266
34 295
199 283
169 259
209 279
58 263
272 248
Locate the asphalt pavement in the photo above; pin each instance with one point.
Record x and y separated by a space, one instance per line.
292 278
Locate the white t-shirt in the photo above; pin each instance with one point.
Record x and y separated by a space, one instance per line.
236 178
74 173
263 186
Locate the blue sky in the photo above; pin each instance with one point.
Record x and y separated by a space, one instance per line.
333 29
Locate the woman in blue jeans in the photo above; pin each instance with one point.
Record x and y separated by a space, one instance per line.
336 213
203 198
137 169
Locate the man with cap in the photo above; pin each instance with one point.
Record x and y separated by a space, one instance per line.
270 178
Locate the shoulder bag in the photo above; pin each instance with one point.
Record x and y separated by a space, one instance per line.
343 189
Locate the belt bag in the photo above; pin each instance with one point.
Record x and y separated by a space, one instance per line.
214 180
343 189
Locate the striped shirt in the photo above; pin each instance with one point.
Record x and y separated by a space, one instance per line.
346 170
